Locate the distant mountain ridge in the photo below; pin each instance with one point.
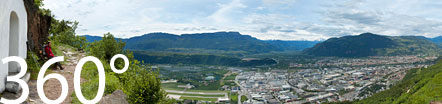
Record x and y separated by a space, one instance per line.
91 38
292 45
218 41
234 43
226 41
437 40
368 44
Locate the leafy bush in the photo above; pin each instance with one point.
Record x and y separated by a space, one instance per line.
143 86
106 48
112 84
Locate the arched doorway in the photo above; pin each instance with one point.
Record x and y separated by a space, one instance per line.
13 41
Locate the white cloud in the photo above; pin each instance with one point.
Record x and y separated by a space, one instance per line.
264 19
222 15
387 19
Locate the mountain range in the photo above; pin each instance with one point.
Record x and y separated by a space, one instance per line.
209 42
224 41
234 43
368 44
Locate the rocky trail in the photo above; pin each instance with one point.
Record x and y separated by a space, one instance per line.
52 87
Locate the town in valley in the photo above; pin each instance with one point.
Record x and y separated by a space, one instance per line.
321 79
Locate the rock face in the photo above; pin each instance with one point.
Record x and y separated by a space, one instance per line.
38 26
117 97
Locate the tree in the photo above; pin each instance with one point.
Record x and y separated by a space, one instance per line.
64 32
107 47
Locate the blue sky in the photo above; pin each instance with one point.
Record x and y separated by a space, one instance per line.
263 19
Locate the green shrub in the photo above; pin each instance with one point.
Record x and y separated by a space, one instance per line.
106 48
90 88
112 84
143 86
33 64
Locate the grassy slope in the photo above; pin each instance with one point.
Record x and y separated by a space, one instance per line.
418 86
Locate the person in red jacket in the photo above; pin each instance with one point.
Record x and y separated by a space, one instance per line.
49 54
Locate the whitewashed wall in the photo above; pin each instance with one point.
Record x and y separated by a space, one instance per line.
6 8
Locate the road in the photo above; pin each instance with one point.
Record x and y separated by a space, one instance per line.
200 93
241 92
239 98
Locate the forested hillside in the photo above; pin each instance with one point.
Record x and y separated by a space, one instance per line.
202 59
225 41
368 44
419 86
292 45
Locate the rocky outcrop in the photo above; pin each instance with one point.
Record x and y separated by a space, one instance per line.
117 97
38 26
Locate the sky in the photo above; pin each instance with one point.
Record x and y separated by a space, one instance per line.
263 19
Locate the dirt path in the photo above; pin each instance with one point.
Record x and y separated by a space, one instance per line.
52 87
